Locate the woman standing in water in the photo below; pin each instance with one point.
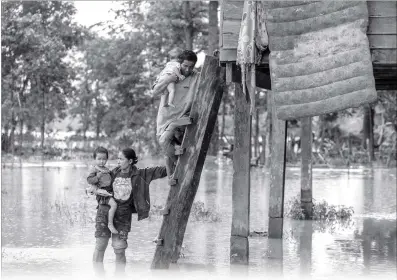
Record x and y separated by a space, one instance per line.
131 193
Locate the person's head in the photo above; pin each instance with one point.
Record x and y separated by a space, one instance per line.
174 53
101 156
126 158
188 60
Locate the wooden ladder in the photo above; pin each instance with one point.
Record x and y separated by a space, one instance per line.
195 144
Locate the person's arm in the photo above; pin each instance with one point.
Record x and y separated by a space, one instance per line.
189 100
101 192
92 178
153 173
158 172
162 84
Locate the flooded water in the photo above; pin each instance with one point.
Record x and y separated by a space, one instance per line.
48 229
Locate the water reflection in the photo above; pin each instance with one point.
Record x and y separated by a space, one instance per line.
275 256
48 221
305 248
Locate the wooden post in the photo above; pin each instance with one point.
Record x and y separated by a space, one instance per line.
350 145
229 72
256 142
262 155
277 175
306 167
188 170
239 248
269 133
371 134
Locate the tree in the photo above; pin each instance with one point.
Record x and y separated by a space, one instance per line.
163 26
36 37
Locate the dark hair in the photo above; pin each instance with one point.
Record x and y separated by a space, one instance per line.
101 150
130 154
187 55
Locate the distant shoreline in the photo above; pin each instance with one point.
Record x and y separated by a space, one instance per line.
7 161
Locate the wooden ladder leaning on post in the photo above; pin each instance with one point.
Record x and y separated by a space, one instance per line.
195 144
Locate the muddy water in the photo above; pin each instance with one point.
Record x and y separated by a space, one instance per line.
47 226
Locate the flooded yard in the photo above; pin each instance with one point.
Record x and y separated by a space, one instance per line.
48 226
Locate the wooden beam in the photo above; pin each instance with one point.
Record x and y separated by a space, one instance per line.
371 150
306 167
383 24
382 41
230 40
188 170
229 72
239 248
226 55
233 10
262 79
382 8
380 56
256 142
277 175
269 125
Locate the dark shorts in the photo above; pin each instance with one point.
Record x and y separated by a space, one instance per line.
103 199
172 138
101 223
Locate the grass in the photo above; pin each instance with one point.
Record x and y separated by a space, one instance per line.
321 210
78 213
198 212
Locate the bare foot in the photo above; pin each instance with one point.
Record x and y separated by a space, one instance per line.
179 150
112 229
172 181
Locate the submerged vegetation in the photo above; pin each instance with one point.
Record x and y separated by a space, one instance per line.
198 213
321 211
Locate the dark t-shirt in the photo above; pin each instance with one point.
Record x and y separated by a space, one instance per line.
122 193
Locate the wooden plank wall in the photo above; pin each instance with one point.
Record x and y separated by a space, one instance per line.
382 30
231 12
382 37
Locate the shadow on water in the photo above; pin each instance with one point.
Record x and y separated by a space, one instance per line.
47 221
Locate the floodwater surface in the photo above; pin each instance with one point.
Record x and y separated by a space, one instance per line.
48 226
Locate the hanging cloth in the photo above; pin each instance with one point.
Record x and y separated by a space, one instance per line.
250 45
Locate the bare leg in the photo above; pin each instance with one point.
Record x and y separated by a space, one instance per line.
112 210
171 94
169 152
164 99
97 258
100 248
119 247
